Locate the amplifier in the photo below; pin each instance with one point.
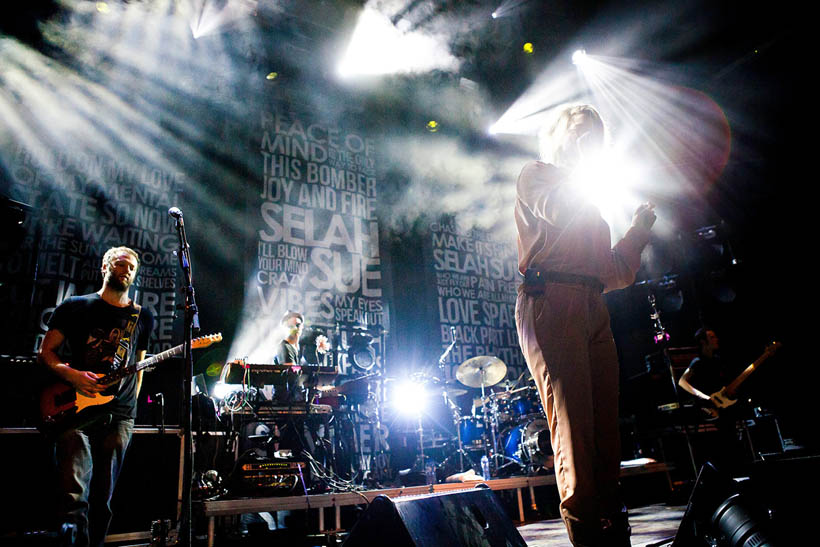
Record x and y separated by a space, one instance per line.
269 477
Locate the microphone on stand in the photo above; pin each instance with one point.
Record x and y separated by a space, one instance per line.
176 213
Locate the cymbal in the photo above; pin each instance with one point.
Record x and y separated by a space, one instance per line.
359 383
481 370
453 389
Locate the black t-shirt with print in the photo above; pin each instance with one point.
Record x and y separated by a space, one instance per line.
93 329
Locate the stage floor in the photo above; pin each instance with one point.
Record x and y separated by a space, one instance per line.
650 525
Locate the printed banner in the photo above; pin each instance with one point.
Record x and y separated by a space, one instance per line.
316 246
81 206
476 278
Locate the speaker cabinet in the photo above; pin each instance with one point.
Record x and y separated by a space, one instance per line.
147 489
464 519
716 510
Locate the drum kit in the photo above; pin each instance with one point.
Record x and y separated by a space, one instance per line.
508 426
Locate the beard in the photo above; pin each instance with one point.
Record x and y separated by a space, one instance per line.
114 282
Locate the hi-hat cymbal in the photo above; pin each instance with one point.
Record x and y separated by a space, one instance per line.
481 370
454 389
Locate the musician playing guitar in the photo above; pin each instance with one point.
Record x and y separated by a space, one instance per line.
103 332
708 379
706 370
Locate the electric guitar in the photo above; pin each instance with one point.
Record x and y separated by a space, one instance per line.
61 405
727 395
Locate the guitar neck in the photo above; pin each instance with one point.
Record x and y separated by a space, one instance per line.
121 373
733 387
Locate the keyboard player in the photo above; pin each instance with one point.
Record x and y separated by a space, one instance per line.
287 354
290 329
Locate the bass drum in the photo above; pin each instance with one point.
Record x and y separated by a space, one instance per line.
529 444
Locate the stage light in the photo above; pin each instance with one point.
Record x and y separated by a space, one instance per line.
579 57
607 180
409 397
495 15
272 75
528 48
379 47
360 353
222 390
218 16
102 7
432 126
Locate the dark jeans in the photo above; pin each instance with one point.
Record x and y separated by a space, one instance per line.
88 464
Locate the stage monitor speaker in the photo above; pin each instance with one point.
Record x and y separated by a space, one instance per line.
721 513
465 518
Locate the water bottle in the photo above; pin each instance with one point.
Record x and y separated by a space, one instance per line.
485 467
430 473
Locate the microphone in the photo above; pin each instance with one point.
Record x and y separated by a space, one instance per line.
175 212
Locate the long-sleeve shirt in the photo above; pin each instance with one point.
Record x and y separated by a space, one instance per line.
559 231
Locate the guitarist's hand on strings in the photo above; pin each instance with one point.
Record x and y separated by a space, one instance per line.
82 380
86 382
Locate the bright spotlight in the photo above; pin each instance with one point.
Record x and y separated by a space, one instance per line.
379 47
579 56
221 390
409 397
608 181
495 15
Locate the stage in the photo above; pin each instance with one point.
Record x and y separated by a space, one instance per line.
651 525
520 491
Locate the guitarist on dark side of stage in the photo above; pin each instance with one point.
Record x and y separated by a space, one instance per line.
706 370
103 331
704 378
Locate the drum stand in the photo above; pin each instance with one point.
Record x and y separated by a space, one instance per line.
379 460
462 454
491 425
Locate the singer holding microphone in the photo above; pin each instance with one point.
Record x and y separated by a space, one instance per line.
566 257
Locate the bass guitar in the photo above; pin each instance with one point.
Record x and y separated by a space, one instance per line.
62 405
727 395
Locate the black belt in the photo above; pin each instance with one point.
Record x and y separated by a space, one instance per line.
535 280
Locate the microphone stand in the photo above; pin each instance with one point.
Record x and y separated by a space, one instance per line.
661 337
191 326
449 403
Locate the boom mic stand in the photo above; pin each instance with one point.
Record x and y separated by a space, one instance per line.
449 403
662 337
191 326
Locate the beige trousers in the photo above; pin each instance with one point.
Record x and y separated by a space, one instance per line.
567 341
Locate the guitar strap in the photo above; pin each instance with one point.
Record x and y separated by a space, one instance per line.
121 355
